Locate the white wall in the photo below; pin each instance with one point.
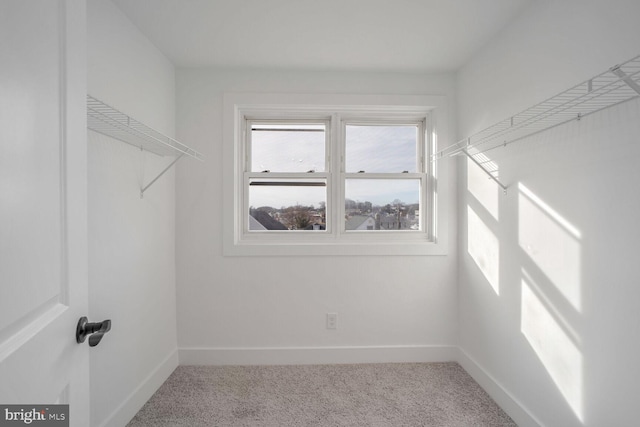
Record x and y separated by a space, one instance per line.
131 241
548 300
272 309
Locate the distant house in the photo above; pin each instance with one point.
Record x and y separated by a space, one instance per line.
361 222
379 222
255 225
261 220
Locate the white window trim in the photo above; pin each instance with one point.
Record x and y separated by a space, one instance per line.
237 243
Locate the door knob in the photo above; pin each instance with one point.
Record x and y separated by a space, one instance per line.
95 331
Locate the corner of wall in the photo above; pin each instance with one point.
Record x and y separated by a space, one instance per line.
138 397
511 405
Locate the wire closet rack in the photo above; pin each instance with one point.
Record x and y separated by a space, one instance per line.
108 121
618 84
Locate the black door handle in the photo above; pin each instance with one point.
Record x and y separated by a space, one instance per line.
95 330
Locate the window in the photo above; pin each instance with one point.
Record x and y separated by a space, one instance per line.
285 175
310 179
384 176
289 173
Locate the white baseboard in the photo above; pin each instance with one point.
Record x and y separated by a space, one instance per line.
498 393
132 403
317 355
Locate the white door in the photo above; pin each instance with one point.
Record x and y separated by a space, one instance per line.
43 209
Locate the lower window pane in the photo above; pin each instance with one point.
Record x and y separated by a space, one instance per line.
287 205
382 204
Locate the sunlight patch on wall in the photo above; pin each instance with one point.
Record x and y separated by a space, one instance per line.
484 189
552 242
554 347
484 248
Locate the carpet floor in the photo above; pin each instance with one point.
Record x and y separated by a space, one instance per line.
402 394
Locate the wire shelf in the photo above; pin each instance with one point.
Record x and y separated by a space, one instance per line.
108 121
619 84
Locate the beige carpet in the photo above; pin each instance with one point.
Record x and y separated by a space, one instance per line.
413 394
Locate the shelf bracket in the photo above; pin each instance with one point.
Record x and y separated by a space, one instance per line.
626 78
504 187
160 174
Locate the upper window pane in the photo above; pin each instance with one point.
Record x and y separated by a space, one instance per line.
381 149
288 147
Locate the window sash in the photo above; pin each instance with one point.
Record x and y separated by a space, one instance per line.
419 165
420 177
421 174
248 132
286 179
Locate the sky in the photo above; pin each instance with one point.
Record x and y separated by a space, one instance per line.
373 149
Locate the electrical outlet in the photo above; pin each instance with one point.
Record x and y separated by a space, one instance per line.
332 320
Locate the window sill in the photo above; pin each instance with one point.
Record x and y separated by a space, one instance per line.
406 248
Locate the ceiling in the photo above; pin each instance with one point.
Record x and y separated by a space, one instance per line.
372 35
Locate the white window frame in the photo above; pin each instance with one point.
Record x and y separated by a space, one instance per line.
245 153
423 121
431 111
